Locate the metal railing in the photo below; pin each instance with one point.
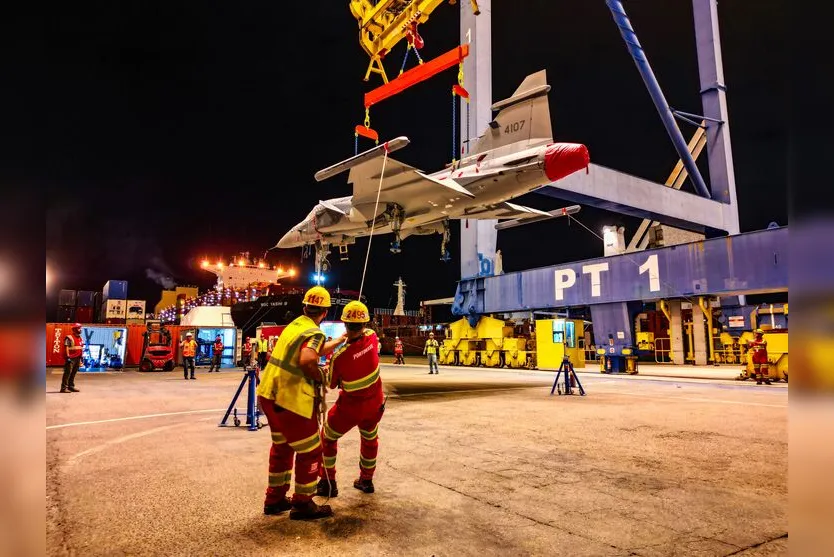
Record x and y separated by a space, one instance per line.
663 355
591 354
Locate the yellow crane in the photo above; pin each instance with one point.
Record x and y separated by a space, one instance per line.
385 23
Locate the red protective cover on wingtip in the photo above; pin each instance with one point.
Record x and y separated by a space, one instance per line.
563 159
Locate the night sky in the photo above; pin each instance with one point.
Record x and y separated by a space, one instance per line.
186 129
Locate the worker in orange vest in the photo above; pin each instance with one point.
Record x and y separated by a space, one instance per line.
189 351
73 347
355 369
217 354
758 347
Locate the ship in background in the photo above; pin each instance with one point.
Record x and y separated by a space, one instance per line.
411 326
255 293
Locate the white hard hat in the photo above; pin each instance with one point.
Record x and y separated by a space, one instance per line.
189 334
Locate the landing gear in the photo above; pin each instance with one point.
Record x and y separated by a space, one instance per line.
322 253
396 217
447 236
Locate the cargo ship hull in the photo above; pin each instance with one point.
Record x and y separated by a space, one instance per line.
281 308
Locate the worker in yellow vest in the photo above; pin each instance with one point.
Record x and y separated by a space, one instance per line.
431 350
287 395
262 350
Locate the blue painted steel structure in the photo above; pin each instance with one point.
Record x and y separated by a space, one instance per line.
666 115
750 263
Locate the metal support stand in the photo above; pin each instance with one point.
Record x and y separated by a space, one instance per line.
571 380
253 414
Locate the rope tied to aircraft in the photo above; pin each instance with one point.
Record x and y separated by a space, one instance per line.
373 221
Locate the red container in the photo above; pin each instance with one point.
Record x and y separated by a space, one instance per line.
84 314
55 334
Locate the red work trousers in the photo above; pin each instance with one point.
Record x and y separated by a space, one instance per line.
343 416
291 435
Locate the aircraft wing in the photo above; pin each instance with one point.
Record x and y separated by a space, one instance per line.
414 191
504 210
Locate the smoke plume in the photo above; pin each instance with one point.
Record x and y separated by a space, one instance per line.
162 279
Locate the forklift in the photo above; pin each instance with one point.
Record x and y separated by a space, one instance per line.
157 348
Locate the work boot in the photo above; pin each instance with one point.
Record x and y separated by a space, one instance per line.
277 508
308 510
767 381
192 377
366 486
64 389
327 488
73 390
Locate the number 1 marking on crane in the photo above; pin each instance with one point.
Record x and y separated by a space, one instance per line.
469 35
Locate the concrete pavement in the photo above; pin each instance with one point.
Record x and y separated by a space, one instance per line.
471 462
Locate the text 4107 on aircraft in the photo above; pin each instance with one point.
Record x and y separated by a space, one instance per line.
514 156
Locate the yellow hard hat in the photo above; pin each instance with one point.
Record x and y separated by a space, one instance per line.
355 312
759 332
317 296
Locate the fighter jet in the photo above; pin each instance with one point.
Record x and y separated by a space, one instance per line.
514 156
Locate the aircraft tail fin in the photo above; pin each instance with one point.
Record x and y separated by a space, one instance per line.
524 117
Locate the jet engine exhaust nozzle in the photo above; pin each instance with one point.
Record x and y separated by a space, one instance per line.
563 159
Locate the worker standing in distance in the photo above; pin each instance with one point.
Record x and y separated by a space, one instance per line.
355 369
262 350
758 347
73 348
398 351
217 355
287 397
430 350
189 351
247 353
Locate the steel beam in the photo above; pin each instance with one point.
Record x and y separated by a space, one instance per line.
714 100
751 263
478 238
616 191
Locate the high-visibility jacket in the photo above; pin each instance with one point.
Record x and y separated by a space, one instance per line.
189 348
283 380
218 347
398 347
431 346
75 346
758 348
247 347
262 345
355 368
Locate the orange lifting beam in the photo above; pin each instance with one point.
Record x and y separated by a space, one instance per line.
416 75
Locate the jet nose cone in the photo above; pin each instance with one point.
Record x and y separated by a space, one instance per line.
286 240
563 159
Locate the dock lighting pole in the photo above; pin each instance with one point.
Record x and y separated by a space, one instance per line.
639 56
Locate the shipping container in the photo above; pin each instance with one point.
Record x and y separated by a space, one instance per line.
135 321
132 338
136 309
104 347
115 321
114 309
66 314
115 290
97 307
84 314
85 298
67 298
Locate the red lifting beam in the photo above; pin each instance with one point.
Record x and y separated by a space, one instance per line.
416 75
